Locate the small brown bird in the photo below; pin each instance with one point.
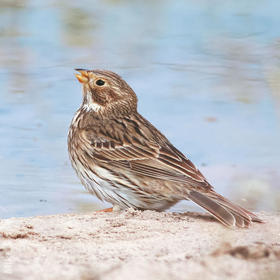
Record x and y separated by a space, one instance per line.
123 159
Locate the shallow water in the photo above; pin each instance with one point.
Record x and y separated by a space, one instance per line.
207 74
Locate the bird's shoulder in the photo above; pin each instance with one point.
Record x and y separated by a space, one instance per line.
126 130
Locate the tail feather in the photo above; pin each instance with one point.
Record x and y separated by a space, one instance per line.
234 207
222 209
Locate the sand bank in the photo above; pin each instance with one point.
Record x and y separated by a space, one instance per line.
137 245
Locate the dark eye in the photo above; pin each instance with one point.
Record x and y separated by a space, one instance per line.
100 82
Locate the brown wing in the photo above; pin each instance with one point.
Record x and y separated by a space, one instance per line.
134 144
137 147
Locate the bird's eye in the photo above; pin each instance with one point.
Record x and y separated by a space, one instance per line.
100 82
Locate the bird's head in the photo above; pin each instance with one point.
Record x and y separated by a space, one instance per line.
106 93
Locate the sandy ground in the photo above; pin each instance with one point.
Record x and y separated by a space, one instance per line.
137 245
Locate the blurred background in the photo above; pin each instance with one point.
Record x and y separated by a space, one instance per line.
207 74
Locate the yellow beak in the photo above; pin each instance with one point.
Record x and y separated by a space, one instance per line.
83 77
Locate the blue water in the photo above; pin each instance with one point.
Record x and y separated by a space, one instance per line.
207 74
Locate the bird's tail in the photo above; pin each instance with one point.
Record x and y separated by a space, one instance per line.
223 210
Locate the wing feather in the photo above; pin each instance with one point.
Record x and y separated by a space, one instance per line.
144 151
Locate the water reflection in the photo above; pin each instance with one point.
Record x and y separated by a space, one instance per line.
212 71
78 22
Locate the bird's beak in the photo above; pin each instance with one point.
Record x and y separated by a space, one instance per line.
83 77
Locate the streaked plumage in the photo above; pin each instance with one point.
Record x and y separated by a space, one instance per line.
123 159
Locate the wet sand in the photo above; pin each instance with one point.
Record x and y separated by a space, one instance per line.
137 245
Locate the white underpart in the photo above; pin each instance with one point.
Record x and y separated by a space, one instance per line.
92 107
104 189
115 191
124 196
74 121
